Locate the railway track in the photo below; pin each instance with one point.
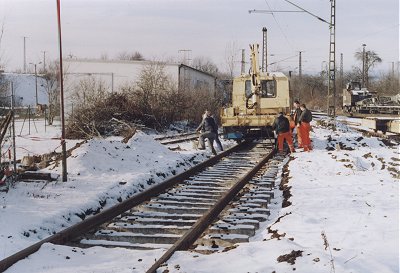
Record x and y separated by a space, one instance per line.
215 204
358 123
179 138
173 139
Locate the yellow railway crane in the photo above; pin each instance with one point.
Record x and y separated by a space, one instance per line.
269 95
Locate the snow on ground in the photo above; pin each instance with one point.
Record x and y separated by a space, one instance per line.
100 173
351 196
36 138
343 217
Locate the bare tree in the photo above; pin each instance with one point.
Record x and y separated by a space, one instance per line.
205 64
127 56
51 85
231 55
89 91
387 84
1 39
4 101
371 59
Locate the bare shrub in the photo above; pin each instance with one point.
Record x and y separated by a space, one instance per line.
50 78
130 56
153 101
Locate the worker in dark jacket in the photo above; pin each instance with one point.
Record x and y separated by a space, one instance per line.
208 127
296 117
217 140
282 128
304 120
215 130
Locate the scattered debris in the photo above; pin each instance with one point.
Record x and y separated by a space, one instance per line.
291 257
34 176
326 244
368 155
284 185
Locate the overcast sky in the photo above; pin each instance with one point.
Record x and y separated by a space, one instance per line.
160 28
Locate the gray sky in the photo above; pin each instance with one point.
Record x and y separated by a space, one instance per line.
159 28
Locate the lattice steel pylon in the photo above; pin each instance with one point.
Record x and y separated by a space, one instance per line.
332 63
265 51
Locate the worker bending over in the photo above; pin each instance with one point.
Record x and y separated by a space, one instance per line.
208 127
282 129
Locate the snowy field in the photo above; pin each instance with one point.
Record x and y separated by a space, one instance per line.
343 216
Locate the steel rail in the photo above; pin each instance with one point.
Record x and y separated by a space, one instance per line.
201 225
178 140
174 136
89 223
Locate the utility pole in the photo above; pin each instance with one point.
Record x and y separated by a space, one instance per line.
393 78
265 51
36 85
366 70
243 63
63 145
332 62
363 67
393 69
36 94
341 71
398 76
25 53
13 130
300 72
44 61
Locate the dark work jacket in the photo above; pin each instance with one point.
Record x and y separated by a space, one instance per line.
305 116
281 124
297 114
208 125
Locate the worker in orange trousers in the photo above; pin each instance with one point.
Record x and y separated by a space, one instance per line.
304 127
281 126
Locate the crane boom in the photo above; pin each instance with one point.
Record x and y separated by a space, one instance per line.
255 77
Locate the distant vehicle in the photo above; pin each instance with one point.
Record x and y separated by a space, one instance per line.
360 100
256 99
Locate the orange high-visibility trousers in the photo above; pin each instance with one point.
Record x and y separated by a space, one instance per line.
299 140
305 135
285 136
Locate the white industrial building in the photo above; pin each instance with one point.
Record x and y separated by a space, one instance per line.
116 73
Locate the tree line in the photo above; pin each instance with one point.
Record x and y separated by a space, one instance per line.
155 101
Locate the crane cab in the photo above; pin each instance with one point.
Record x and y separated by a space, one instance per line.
250 117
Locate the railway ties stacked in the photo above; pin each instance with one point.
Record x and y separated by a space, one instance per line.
162 220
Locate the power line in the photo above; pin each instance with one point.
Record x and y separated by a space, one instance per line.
379 31
312 14
279 26
282 60
271 11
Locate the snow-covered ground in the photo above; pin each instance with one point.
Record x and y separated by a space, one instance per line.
343 217
100 172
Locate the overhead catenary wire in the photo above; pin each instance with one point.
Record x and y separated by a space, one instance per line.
279 26
282 60
306 11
